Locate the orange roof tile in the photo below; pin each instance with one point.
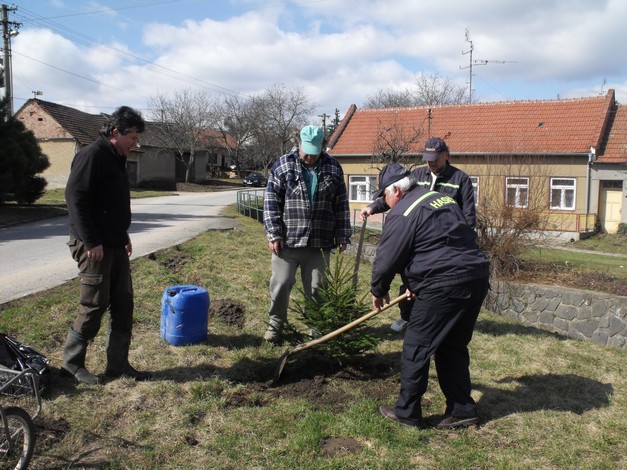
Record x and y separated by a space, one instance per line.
568 126
616 148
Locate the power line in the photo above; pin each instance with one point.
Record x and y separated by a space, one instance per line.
78 75
86 40
127 5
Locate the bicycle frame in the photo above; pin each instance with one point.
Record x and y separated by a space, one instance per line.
6 430
17 381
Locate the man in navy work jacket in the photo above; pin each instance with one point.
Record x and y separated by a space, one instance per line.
99 204
437 175
305 214
427 240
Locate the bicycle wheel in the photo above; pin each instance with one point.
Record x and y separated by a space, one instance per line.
22 439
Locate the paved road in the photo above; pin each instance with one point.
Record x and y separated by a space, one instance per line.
35 257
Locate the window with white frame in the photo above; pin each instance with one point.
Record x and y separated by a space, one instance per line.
475 187
517 191
563 193
361 187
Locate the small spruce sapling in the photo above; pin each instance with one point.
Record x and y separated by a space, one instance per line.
333 305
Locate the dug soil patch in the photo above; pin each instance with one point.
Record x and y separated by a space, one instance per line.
332 446
228 312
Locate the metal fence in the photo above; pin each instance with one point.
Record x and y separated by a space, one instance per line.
250 203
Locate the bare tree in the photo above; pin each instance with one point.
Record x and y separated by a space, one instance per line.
512 212
394 142
234 122
390 98
183 121
278 112
430 90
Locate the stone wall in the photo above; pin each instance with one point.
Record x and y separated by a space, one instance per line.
573 313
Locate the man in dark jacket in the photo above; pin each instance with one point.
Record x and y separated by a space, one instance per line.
99 206
437 175
427 240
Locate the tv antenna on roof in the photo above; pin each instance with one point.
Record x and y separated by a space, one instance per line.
472 62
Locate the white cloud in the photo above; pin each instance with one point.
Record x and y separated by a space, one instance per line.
339 51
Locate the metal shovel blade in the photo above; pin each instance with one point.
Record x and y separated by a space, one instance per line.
328 336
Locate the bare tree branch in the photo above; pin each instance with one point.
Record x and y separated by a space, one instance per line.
394 142
183 120
234 122
430 90
279 112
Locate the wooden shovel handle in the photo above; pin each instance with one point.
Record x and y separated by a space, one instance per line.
360 247
346 327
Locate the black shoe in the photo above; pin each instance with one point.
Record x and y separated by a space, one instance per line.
453 422
388 412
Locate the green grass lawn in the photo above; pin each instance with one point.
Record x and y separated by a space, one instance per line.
581 261
607 243
546 401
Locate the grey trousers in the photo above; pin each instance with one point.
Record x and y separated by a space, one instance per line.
312 263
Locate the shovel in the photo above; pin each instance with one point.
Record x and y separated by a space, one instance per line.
328 336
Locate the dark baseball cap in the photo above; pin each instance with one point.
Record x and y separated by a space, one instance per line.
391 173
433 148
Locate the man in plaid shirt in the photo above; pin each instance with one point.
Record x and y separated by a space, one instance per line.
305 214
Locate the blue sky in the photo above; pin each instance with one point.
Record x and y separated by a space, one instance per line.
95 56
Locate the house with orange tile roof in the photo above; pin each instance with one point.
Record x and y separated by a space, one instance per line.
62 131
566 157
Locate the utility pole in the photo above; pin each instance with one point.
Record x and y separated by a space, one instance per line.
9 30
324 117
474 62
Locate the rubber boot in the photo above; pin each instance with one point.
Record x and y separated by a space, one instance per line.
117 358
74 353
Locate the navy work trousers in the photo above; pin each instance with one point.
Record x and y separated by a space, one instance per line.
441 323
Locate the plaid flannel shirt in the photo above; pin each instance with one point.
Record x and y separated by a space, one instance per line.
287 211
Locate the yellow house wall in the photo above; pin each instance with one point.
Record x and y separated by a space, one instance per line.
60 155
538 170
55 142
492 170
